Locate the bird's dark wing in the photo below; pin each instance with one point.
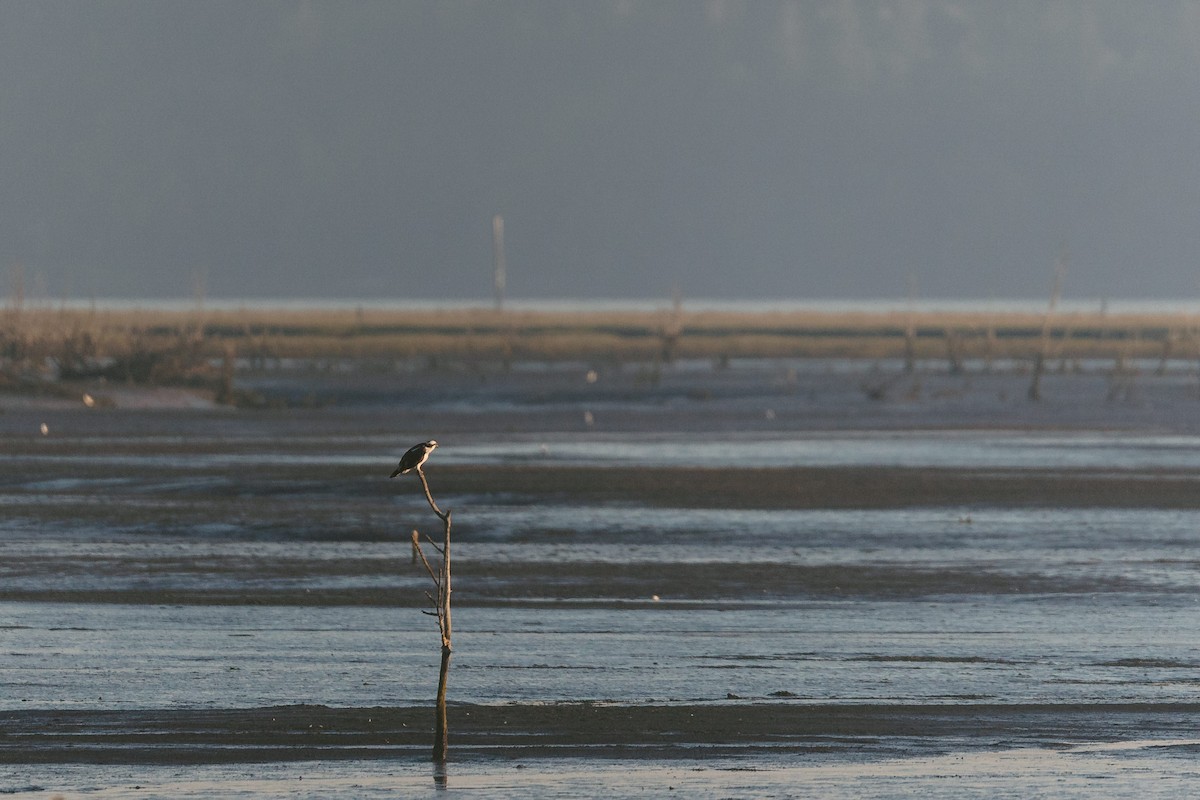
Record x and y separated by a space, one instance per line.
410 459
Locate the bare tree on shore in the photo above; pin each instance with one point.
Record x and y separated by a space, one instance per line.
1039 360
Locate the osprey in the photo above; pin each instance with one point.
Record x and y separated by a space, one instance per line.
415 457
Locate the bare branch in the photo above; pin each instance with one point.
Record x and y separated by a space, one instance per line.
428 496
416 543
438 610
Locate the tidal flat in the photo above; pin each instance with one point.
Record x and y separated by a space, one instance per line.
754 580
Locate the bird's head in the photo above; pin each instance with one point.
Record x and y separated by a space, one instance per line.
431 444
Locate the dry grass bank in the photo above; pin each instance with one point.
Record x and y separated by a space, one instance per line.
177 346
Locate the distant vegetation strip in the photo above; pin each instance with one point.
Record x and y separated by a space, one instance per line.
226 331
165 344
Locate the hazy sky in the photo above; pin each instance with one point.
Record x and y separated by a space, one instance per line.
733 148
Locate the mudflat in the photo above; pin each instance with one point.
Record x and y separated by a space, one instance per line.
947 578
306 732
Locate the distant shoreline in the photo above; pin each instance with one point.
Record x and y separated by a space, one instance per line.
1014 305
178 343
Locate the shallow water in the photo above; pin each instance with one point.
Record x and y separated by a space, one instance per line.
1007 650
1010 450
938 448
195 560
1147 769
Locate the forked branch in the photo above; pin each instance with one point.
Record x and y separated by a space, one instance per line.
419 553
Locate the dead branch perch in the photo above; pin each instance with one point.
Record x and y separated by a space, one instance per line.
441 605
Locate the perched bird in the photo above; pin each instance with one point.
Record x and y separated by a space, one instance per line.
415 457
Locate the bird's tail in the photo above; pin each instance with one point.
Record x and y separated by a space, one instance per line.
397 472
